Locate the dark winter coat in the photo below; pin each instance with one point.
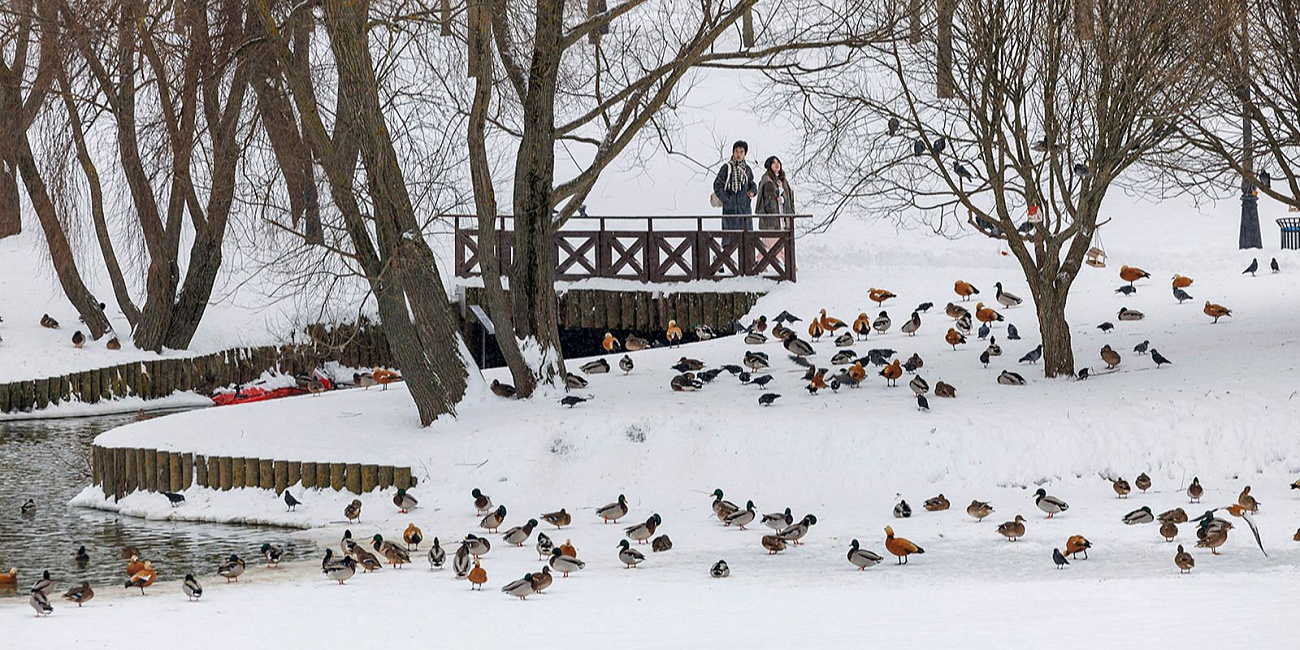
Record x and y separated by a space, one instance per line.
734 202
766 202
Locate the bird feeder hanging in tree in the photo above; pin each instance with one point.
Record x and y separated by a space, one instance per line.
1096 256
1034 215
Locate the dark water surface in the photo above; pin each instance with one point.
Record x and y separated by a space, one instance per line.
48 460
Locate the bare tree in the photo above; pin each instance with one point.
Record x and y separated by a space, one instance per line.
1049 112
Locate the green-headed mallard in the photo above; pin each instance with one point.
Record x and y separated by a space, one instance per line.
493 520
721 507
773 543
194 591
643 532
778 521
1049 504
1012 530
614 511
404 502
340 570
81 594
396 555
520 534
273 553
742 518
1140 516
565 564
560 518
796 531
520 588
40 603
45 584
629 556
437 556
460 563
482 502
477 546
231 569
863 558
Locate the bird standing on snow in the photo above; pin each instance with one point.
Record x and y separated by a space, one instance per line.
1273 265
979 510
273 554
565 564
194 591
922 404
438 556
1033 355
1254 266
1131 274
1143 482
231 569
404 502
882 322
1049 504
797 531
1110 356
1181 295
1059 559
1194 491
1159 358
863 558
1008 378
1141 348
1012 333
78 339
629 556
1121 488
1184 560
900 547
1006 299
902 510
1077 544
40 603
720 569
520 588
520 534
912 324
352 511
290 501
1012 530
643 531
1216 311
492 521
625 364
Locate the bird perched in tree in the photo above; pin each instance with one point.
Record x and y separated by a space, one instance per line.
1059 559
1049 504
879 296
1195 491
1131 274
964 289
1159 358
1077 544
962 172
1184 560
1012 530
918 147
1182 296
1216 311
900 547
1110 356
1008 378
1254 266
954 338
894 125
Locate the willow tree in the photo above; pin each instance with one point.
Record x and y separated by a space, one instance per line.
1048 110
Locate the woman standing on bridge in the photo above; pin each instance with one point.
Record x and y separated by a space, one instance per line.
774 195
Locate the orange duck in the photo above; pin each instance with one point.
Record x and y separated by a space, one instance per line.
964 289
1216 311
862 325
10 578
857 373
830 323
900 547
142 578
477 576
954 338
385 377
891 373
674 333
1131 274
134 566
1182 281
568 549
815 329
610 343
986 315
879 296
1077 544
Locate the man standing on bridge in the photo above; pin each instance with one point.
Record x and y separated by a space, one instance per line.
734 187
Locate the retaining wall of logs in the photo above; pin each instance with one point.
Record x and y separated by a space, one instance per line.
361 345
119 471
642 311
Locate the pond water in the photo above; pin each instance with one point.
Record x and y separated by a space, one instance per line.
48 461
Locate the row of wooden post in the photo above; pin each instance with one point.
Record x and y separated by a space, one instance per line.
120 471
642 311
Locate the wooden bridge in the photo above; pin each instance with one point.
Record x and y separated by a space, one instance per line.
648 249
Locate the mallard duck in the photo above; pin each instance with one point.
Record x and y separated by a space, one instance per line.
1110 357
795 532
1077 544
502 390
559 518
45 584
843 358
194 591
41 603
911 325
1247 501
844 340
412 536
544 546
273 553
629 556
340 570
900 547
145 577
1195 491
477 546
863 558
773 543
520 534
1140 516
936 504
721 507
778 521
1007 299
625 364
231 569
366 560
482 502
780 331
882 322
902 510
1142 482
568 549
542 580
685 383
352 511
404 502
635 343
48 322
573 381
460 562
80 594
1121 487
347 544
437 556
642 532
1049 504
1168 530
755 338
720 569
477 576
366 380
1012 530
1184 560
1126 314
493 520
565 564
741 518
597 367
521 588
28 507
1175 516
396 555
661 543
979 510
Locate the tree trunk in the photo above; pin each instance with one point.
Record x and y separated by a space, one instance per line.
11 218
1058 355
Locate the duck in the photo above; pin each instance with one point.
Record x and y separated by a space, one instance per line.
936 504
1049 504
1216 311
609 343
1012 530
560 518
942 389
843 358
993 350
780 331
987 315
477 577
273 554
955 312
1121 488
857 374
1176 516
954 338
796 531
1140 516
642 532
1245 500
882 322
1194 491
778 521
231 569
404 502
1168 530
366 560
565 564
721 507
900 547
520 588
9 578
720 569
629 556
1131 274
352 511
918 385
979 510
1077 544
81 556
1142 482
830 323
134 565
633 343
493 520
704 332
482 502
861 557
412 536
460 562
862 326
1129 315
194 591
687 364
597 367
45 584
891 373
912 324
758 324
78 339
742 518
49 323
673 333
1110 356
1181 281
902 510
143 578
1008 378
41 603
797 347
437 555
477 546
964 289
755 360
914 363
28 507
365 380
661 543
542 580
614 511
568 549
625 364
520 534
755 338
1007 299
1184 560
1214 536
384 377
773 543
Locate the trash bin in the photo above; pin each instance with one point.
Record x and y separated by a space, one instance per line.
1290 232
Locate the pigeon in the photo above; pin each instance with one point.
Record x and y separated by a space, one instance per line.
1127 290
940 144
984 330
962 172
1265 180
786 317
732 368
1273 265
1059 559
1080 169
1254 266
766 399
174 498
1106 326
922 404
1159 358
572 400
894 125
918 147
290 501
1141 348
1033 355
1012 333
1181 295
1084 373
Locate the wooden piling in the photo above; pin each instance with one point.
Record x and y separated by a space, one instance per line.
175 465
162 465
280 474
201 471
225 472
238 473
251 470
308 475
150 479
294 473
369 478
402 478
385 477
336 476
266 474
354 478
322 476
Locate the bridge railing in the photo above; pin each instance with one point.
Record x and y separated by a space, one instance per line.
650 249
